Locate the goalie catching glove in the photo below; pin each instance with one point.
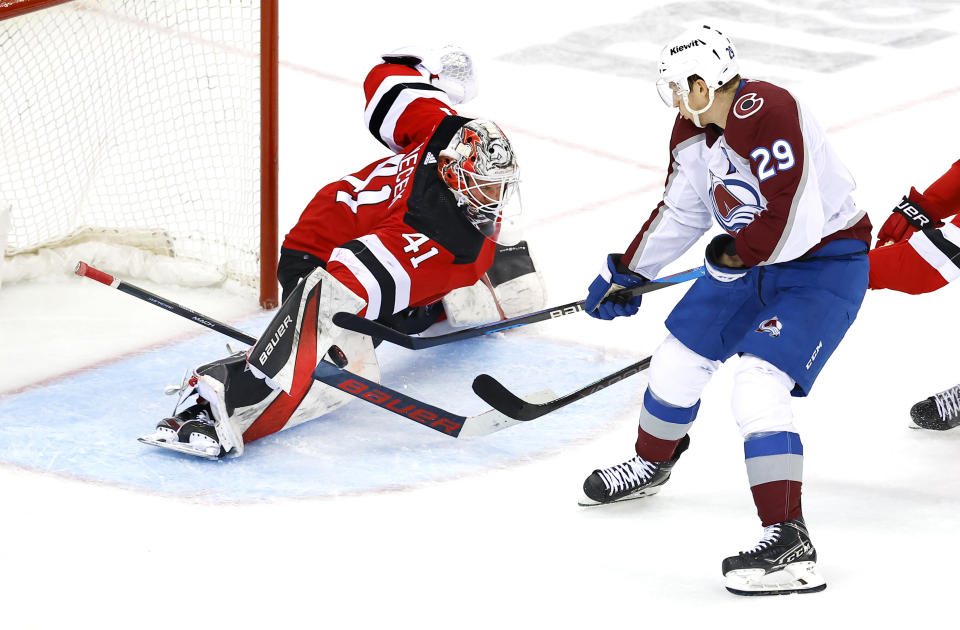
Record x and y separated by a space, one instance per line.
449 68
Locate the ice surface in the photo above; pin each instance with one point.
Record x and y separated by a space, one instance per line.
363 520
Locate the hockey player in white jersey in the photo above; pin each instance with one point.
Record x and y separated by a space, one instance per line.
785 280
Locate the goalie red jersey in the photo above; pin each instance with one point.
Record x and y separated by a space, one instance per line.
916 252
393 232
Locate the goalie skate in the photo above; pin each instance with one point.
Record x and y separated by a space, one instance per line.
191 432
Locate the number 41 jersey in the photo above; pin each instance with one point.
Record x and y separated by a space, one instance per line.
392 232
769 178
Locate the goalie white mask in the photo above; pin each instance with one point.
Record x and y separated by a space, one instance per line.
480 168
701 51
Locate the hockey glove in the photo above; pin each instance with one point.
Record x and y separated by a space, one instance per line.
450 69
907 217
613 276
717 271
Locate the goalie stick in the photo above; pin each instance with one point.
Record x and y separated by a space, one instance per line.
509 404
83 269
364 326
409 407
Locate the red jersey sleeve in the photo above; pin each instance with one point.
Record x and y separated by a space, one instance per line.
403 108
942 198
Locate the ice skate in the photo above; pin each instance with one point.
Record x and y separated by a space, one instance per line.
784 561
191 431
939 412
633 479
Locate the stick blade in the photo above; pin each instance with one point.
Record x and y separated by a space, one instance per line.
506 402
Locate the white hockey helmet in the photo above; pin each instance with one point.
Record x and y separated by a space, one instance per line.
482 172
703 51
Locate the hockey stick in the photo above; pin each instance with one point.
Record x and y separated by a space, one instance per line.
364 326
506 402
83 269
409 407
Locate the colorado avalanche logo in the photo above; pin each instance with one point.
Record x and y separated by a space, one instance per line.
735 203
771 326
747 105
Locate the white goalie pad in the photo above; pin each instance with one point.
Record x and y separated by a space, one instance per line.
305 317
471 306
512 286
251 394
231 425
521 295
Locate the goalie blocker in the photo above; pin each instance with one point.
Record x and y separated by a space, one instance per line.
268 388
512 286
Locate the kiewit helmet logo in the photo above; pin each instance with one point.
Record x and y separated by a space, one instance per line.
771 326
691 44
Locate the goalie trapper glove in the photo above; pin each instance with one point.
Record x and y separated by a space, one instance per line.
613 276
717 271
450 69
907 217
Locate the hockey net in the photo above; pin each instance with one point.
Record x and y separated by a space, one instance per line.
142 135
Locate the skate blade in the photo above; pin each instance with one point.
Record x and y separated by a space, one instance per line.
181 447
798 577
585 501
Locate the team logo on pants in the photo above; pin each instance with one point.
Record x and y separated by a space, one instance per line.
771 326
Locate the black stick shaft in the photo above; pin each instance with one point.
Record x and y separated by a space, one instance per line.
363 326
83 269
511 405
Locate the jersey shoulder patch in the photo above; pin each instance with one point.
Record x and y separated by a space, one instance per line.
759 109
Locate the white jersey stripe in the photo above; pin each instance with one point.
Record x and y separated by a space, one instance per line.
401 279
399 106
396 110
934 256
363 275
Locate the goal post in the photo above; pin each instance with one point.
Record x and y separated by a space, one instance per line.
143 125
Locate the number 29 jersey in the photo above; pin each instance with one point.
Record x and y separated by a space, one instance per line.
770 178
392 232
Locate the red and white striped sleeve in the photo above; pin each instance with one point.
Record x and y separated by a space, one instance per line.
403 108
929 260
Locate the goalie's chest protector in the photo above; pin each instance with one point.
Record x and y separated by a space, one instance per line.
396 228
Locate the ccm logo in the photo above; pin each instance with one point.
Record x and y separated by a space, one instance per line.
284 325
399 406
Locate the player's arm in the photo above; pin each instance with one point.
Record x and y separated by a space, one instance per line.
677 222
680 218
925 262
412 90
919 211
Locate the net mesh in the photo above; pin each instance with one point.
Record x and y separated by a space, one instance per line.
135 121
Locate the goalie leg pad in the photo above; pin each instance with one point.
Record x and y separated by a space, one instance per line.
304 318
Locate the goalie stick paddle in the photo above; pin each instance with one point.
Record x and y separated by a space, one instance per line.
511 405
83 269
438 419
364 326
